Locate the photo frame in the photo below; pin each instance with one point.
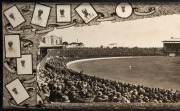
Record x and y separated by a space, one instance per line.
41 15
124 10
17 91
63 13
111 55
12 46
14 16
25 65
86 12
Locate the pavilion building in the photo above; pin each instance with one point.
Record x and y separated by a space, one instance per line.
171 46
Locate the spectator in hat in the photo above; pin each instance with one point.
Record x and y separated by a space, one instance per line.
65 99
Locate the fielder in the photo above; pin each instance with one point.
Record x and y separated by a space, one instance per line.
130 68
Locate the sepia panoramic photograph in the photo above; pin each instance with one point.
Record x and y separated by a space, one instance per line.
92 56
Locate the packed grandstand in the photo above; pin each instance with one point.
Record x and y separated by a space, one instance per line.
60 84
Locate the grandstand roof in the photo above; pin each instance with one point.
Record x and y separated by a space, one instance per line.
173 40
43 45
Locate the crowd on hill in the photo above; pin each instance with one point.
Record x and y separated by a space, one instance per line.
61 84
79 53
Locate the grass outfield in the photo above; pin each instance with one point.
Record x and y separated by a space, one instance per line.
158 72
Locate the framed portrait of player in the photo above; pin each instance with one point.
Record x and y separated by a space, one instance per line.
14 16
86 12
17 91
24 65
124 10
12 46
63 13
40 15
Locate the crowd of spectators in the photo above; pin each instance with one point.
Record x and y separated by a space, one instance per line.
61 84
79 53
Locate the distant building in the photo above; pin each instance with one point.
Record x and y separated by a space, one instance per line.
73 45
171 46
52 40
48 42
76 45
112 45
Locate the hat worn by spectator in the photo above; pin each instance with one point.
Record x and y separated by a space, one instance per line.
155 101
125 100
65 99
105 97
99 93
73 88
89 95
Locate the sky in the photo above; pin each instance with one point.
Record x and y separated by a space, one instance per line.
148 32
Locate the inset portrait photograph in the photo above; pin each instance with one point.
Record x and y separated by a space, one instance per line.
17 91
24 64
12 46
14 16
63 13
86 12
41 15
124 10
